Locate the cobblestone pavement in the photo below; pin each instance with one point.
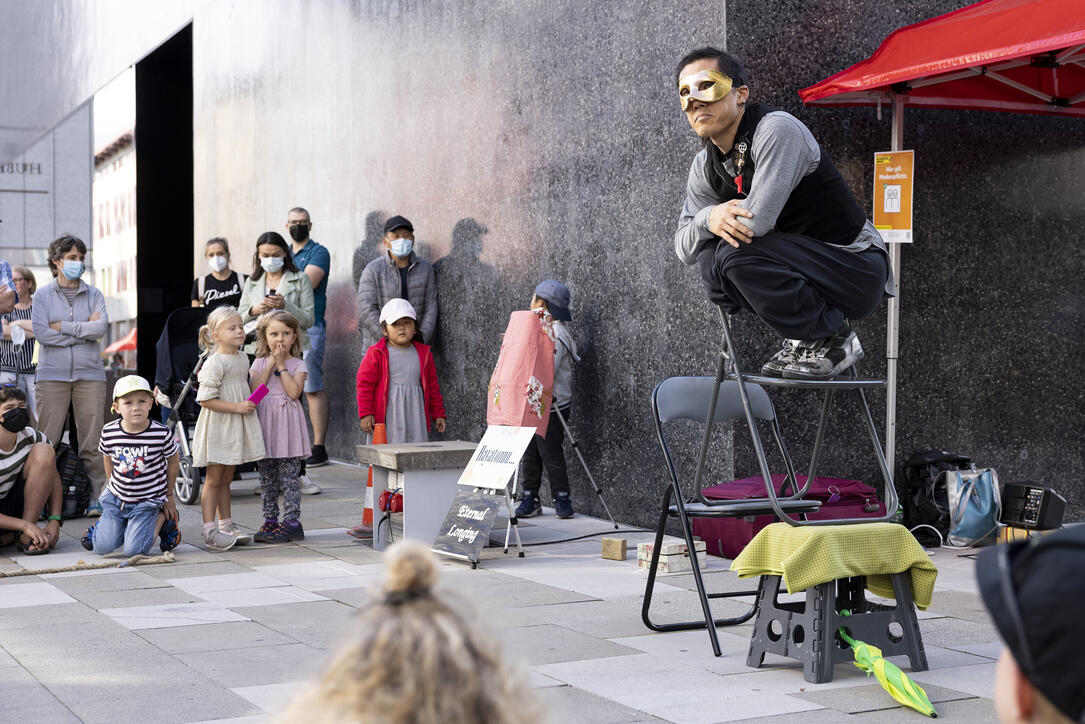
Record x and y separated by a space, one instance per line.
230 637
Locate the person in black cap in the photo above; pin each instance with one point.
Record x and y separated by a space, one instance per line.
1033 591
553 296
398 273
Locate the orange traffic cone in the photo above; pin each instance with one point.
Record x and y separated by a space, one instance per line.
365 530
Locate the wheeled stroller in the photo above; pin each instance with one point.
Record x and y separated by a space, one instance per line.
179 362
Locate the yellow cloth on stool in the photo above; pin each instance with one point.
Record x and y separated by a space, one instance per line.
810 555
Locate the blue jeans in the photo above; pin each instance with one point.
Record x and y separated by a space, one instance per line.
131 524
314 358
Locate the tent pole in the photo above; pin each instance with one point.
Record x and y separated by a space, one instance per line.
892 327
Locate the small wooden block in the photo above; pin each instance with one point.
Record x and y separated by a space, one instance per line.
614 549
644 550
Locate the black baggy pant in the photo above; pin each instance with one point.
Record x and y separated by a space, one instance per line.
801 287
547 452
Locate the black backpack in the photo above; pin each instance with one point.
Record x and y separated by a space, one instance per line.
924 496
74 482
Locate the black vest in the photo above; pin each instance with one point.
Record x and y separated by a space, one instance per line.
821 206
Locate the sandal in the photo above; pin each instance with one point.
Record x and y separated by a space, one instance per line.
29 549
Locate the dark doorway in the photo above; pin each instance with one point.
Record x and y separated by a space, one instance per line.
164 214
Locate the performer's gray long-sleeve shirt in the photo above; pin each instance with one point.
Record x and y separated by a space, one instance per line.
783 152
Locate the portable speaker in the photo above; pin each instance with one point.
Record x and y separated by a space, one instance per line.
1031 505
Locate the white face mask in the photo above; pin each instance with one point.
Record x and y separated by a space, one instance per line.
217 263
402 247
271 264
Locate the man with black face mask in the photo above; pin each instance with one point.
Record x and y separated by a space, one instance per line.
314 260
28 479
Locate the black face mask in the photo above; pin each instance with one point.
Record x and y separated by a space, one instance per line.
15 419
299 232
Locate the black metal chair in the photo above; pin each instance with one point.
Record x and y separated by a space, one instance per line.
850 383
742 396
694 399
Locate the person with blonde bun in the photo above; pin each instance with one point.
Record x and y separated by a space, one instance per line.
418 659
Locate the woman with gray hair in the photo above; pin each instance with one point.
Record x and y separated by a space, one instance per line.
69 318
17 341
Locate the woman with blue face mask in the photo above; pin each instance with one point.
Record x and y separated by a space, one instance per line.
69 319
276 284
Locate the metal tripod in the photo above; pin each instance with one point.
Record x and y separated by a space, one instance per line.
576 447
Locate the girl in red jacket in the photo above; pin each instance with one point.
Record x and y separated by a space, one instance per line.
397 380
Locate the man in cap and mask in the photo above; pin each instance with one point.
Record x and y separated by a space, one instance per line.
399 272
772 224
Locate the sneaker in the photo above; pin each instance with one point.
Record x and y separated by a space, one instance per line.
266 532
233 529
318 458
169 536
529 506
94 510
827 359
216 540
788 355
563 507
308 487
87 541
286 532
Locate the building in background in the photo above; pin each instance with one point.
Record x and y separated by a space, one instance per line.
113 227
114 233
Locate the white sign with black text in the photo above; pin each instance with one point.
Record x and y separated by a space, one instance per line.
496 457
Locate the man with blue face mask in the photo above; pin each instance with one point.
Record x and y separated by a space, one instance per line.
398 273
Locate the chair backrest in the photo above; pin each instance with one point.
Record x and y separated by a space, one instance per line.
688 398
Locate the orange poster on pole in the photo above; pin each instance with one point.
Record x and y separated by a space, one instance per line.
893 195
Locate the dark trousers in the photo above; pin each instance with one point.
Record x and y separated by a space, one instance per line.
547 452
801 287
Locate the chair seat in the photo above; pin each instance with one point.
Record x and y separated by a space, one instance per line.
745 508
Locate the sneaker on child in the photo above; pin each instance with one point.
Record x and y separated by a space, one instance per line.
94 509
529 506
216 540
289 530
563 506
169 536
827 359
87 541
267 530
231 528
308 487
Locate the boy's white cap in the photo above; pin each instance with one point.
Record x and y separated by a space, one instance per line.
397 309
131 383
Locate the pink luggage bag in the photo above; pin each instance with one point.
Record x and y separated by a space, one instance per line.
726 537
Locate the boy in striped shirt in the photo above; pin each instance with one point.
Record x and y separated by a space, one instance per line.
141 461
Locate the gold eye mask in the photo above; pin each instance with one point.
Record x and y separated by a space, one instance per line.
707 85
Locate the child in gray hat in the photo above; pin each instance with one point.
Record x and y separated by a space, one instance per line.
553 296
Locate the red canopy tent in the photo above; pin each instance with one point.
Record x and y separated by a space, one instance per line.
1019 56
128 341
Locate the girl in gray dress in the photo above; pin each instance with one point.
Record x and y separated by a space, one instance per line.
397 380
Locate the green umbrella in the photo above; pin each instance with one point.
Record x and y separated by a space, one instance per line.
869 658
